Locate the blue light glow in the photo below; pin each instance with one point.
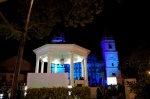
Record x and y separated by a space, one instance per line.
110 56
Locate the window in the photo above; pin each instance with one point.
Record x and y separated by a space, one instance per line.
110 46
113 74
112 64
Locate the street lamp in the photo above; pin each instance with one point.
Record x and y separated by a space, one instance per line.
69 91
148 73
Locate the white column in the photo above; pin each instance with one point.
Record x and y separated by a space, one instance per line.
42 66
55 68
82 67
72 69
85 68
49 62
37 64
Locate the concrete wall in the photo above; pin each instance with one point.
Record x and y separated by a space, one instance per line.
39 80
93 92
128 94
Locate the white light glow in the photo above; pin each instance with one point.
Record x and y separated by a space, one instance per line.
69 93
1 95
67 61
79 59
25 88
111 80
56 61
45 59
25 93
69 86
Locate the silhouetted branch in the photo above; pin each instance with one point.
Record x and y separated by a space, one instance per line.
9 26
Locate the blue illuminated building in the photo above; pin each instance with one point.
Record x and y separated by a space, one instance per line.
110 56
96 71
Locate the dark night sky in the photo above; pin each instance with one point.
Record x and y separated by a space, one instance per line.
127 22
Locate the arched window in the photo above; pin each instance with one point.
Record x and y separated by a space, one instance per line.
110 46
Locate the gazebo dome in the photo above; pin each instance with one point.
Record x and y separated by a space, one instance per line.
58 38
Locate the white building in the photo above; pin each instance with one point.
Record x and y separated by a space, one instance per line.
55 54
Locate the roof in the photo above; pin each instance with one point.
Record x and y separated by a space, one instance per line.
59 50
10 63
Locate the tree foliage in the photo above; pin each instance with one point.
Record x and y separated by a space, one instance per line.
138 62
48 13
141 88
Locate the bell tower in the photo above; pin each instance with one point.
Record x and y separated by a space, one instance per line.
110 56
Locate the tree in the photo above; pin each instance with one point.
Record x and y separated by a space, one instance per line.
137 66
138 62
45 15
20 54
141 88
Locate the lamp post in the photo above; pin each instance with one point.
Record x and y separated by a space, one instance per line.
62 61
69 91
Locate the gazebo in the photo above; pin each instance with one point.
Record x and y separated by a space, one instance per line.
54 54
